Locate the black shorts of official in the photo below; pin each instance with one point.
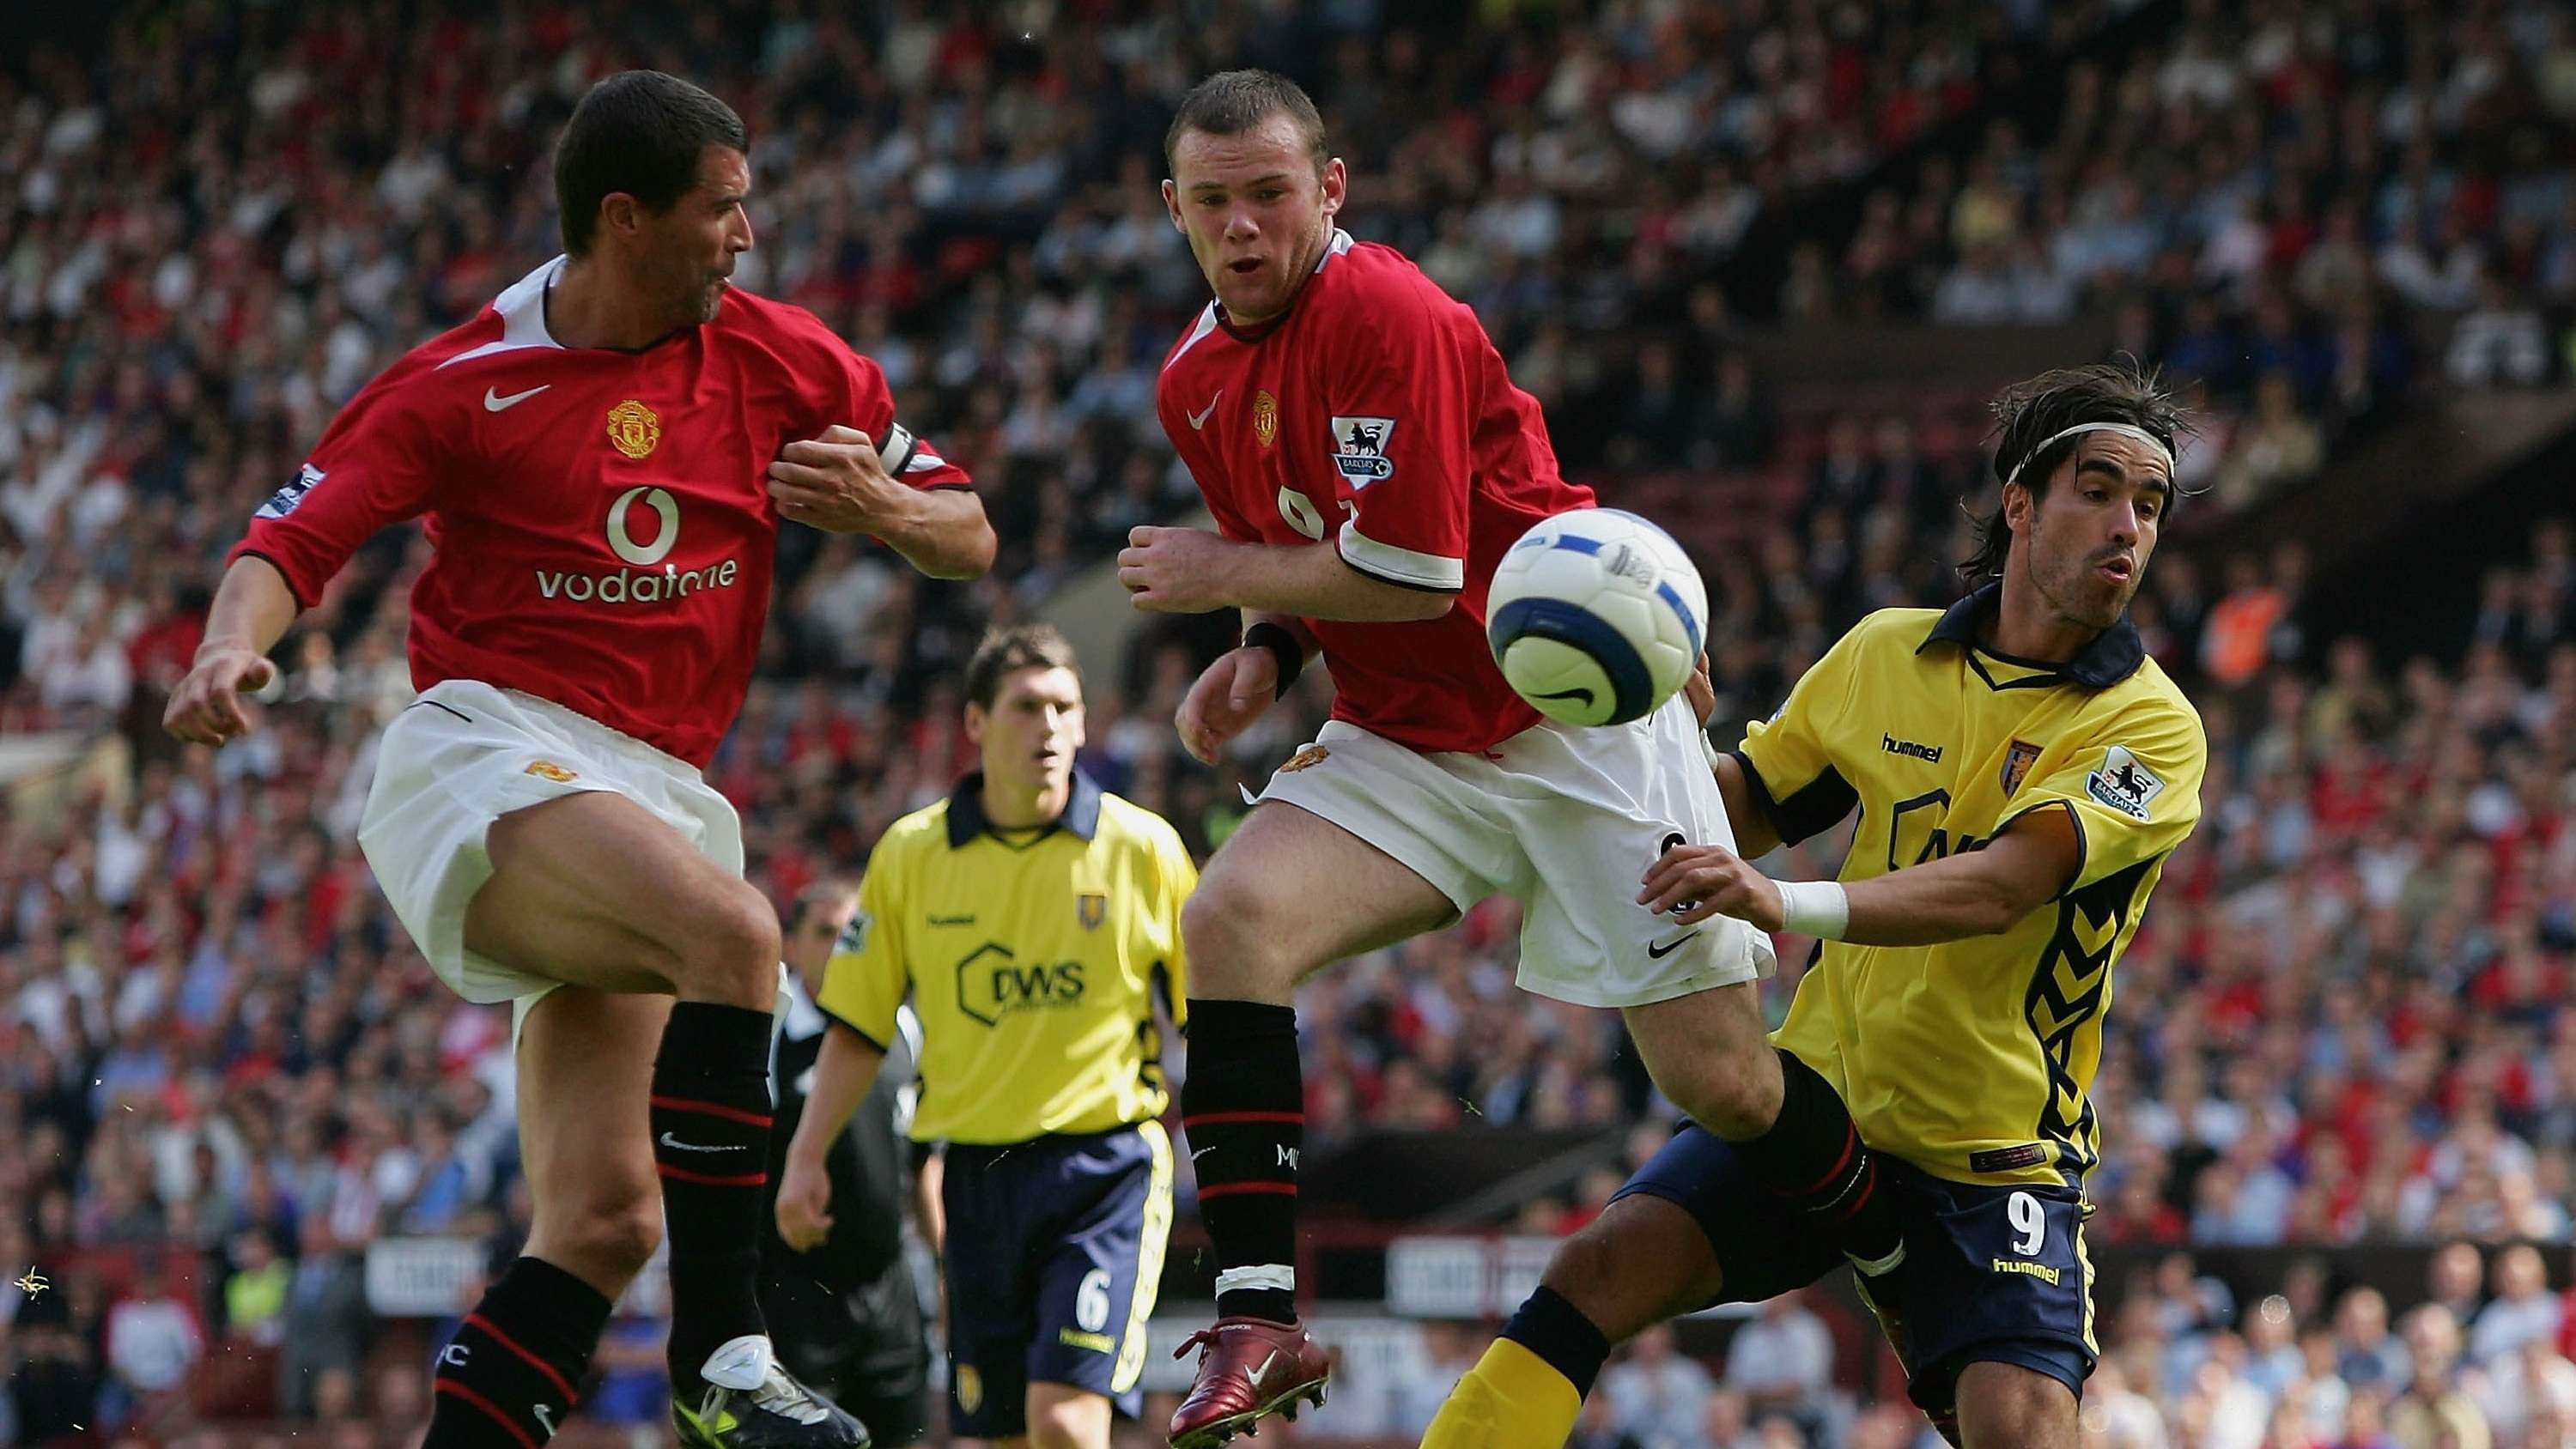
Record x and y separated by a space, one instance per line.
1991 1274
1055 1253
863 1348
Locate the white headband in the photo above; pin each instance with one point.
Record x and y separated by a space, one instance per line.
2125 430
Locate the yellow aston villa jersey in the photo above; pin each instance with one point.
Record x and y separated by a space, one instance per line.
1033 959
1974 1059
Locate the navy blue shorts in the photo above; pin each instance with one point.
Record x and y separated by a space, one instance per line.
1991 1274
1055 1252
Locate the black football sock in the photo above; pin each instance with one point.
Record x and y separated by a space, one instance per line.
1813 1155
513 1371
1243 1106
711 1143
1557 1331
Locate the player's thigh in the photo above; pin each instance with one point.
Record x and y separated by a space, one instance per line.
1710 1053
595 890
1292 891
1689 1230
585 1079
2004 1404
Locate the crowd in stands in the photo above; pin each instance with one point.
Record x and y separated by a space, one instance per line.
223 1067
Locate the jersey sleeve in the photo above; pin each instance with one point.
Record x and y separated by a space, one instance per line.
2132 787
865 979
853 392
1400 407
374 467
1788 765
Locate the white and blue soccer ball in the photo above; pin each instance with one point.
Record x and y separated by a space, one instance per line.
1595 616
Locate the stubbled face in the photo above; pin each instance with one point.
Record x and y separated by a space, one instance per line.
1256 211
1031 734
685 254
2084 545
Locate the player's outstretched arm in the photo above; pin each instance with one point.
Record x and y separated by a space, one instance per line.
837 483
1193 571
1976 893
252 608
843 1072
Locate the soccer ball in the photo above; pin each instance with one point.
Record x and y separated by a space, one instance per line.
1595 616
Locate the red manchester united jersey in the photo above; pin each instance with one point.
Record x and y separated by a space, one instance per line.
602 522
1376 418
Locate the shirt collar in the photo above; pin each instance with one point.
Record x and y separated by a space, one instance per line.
966 810
2113 655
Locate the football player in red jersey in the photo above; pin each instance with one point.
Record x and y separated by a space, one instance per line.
602 458
1368 462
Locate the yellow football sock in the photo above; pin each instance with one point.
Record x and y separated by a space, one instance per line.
1511 1399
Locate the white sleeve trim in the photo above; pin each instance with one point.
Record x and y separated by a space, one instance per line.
1401 565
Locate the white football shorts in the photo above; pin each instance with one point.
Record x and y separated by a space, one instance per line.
465 754
1563 818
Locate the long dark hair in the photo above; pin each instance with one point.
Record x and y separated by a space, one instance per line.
2028 413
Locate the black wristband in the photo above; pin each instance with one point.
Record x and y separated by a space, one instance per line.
1283 646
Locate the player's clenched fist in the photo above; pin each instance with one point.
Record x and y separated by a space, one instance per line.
206 708
836 483
1175 570
804 1205
1229 695
1710 880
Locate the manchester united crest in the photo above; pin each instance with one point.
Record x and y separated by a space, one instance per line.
634 429
1265 417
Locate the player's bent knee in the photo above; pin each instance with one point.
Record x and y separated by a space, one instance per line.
602 1238
1643 1260
733 950
1735 1095
1231 927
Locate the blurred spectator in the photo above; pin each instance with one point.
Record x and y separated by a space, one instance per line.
1655 1393
1783 1363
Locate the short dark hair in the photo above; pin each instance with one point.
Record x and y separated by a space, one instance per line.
640 132
1020 646
1232 102
830 891
2030 413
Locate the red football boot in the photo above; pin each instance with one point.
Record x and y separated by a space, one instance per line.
1249 1369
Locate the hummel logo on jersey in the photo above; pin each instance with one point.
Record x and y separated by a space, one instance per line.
1928 754
670 1141
493 402
1359 449
1198 420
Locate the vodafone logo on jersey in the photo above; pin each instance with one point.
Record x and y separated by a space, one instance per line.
642 584
623 542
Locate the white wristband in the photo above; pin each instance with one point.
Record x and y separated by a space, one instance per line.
1818 908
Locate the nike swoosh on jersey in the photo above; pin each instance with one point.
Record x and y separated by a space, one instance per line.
493 402
1661 949
1198 420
